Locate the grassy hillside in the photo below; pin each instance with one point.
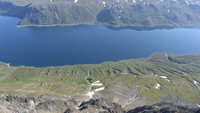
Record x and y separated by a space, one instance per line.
177 76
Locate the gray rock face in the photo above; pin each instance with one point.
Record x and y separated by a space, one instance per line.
24 104
164 108
101 105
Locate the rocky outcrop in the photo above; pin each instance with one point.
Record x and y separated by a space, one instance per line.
43 104
53 104
164 108
16 104
101 105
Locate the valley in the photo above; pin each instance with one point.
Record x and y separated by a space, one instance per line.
99 56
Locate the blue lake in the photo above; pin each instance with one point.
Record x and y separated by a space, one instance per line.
84 44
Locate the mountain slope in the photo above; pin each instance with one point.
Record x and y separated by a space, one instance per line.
131 83
60 14
118 13
167 13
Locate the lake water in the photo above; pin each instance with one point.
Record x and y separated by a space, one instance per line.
56 46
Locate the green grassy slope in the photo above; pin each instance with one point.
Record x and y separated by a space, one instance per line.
140 74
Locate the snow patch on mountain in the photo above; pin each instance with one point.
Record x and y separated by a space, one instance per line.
75 1
92 92
157 86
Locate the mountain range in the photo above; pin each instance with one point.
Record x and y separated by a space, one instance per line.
117 13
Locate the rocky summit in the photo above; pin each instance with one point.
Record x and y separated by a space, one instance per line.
43 104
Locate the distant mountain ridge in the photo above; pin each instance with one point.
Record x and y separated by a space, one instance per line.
118 13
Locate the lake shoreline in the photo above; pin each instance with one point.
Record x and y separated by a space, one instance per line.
113 27
134 27
117 61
